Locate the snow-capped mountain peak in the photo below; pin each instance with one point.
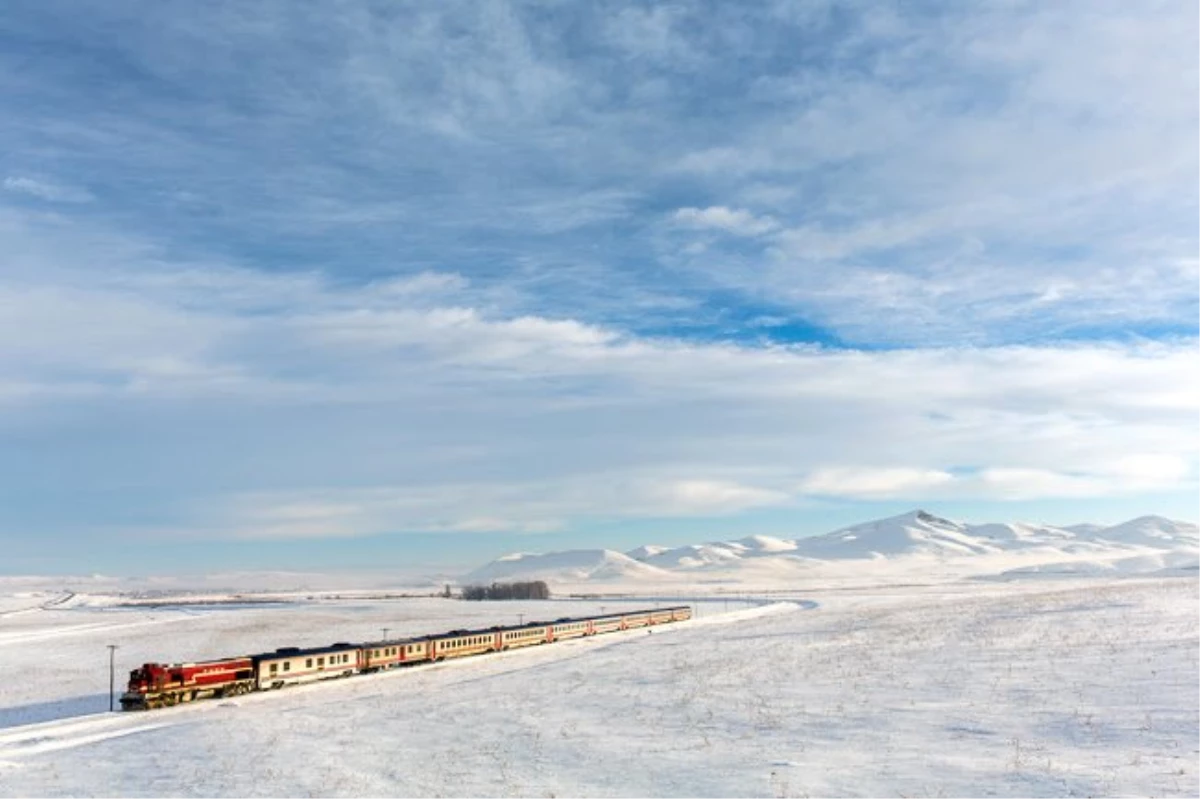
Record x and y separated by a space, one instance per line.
1142 544
578 564
1150 531
646 551
909 533
765 543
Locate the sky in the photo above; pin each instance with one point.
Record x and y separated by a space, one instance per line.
368 284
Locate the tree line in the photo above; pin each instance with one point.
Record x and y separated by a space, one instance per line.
536 589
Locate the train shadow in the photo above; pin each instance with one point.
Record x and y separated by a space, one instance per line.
37 712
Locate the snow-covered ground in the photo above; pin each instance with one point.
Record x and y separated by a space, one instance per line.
1023 686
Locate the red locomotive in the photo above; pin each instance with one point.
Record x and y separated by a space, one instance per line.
160 684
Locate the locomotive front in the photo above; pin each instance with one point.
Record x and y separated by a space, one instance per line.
162 684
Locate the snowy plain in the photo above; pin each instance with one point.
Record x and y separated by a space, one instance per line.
1080 687
901 676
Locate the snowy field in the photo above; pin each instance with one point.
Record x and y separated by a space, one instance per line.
1079 686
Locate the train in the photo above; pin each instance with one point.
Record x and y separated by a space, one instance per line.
156 685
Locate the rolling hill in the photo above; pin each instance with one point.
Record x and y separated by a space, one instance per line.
916 540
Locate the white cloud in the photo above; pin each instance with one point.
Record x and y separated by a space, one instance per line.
874 483
989 177
700 497
730 220
1018 483
47 190
514 505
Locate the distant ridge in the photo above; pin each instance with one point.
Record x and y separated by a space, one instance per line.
577 564
1140 545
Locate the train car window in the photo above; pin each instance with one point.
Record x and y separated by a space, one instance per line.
287 666
274 667
308 663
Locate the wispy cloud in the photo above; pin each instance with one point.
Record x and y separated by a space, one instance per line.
446 415
46 190
731 220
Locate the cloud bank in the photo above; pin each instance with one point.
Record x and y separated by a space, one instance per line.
334 271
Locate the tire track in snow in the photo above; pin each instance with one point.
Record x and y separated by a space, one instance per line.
69 733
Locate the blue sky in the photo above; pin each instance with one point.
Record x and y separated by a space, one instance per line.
338 285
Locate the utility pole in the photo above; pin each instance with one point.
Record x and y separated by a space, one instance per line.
385 632
112 674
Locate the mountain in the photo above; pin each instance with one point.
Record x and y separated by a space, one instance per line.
578 564
911 533
1152 531
912 540
761 544
694 555
647 551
